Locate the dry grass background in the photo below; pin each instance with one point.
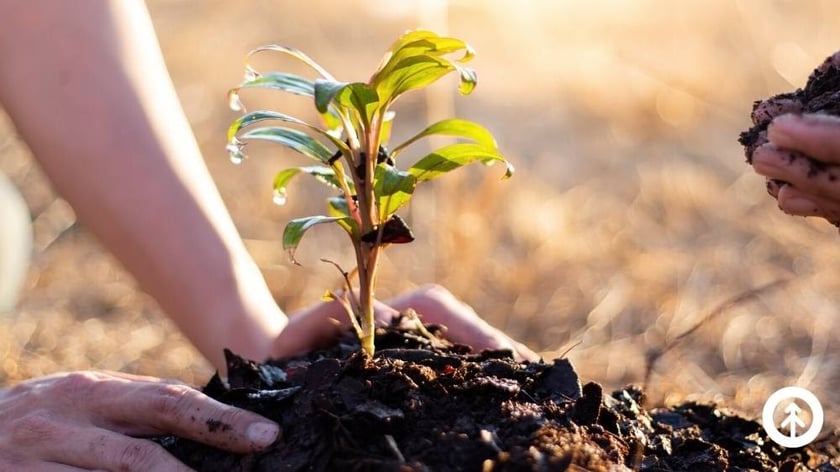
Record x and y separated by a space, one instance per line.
631 217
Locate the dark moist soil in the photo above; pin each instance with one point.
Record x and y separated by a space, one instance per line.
821 94
420 406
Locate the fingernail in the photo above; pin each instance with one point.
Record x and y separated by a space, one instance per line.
782 123
262 434
774 186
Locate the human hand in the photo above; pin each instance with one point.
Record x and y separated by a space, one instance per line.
321 323
437 305
96 421
802 164
800 151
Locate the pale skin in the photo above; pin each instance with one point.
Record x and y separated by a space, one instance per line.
794 137
85 85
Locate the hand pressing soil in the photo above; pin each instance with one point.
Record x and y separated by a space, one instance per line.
795 144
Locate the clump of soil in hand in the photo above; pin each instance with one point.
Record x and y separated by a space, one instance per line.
423 405
821 94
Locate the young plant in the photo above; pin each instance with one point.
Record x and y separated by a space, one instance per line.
350 153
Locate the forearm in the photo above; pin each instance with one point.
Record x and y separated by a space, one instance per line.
86 87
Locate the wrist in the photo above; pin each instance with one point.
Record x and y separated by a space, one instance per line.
225 304
246 317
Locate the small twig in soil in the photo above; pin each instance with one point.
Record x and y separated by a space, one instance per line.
392 444
417 324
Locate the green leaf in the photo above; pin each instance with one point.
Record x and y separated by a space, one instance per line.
415 60
297 54
412 73
360 97
393 189
280 81
407 38
337 207
293 139
469 79
287 83
385 127
296 228
419 42
355 96
258 116
453 127
322 174
325 91
263 115
453 156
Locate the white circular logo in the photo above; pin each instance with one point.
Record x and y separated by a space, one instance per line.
796 435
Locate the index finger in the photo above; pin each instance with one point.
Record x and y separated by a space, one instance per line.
165 408
816 135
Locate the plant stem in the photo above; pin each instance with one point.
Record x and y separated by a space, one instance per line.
365 263
368 256
366 297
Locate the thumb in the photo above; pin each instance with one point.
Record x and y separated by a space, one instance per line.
316 326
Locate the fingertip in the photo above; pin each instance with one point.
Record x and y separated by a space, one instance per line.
767 159
814 134
525 354
774 186
262 434
799 206
311 328
246 433
383 312
784 129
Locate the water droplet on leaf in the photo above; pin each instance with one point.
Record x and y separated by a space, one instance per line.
237 158
250 74
279 197
234 102
235 149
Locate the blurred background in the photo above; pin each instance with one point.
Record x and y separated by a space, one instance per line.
632 216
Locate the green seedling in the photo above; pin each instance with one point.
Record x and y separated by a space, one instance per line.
349 147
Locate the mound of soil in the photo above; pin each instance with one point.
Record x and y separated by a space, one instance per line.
421 404
821 94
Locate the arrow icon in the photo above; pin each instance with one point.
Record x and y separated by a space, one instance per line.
792 432
793 420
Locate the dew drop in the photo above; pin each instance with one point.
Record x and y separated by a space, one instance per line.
250 74
234 102
279 197
234 148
